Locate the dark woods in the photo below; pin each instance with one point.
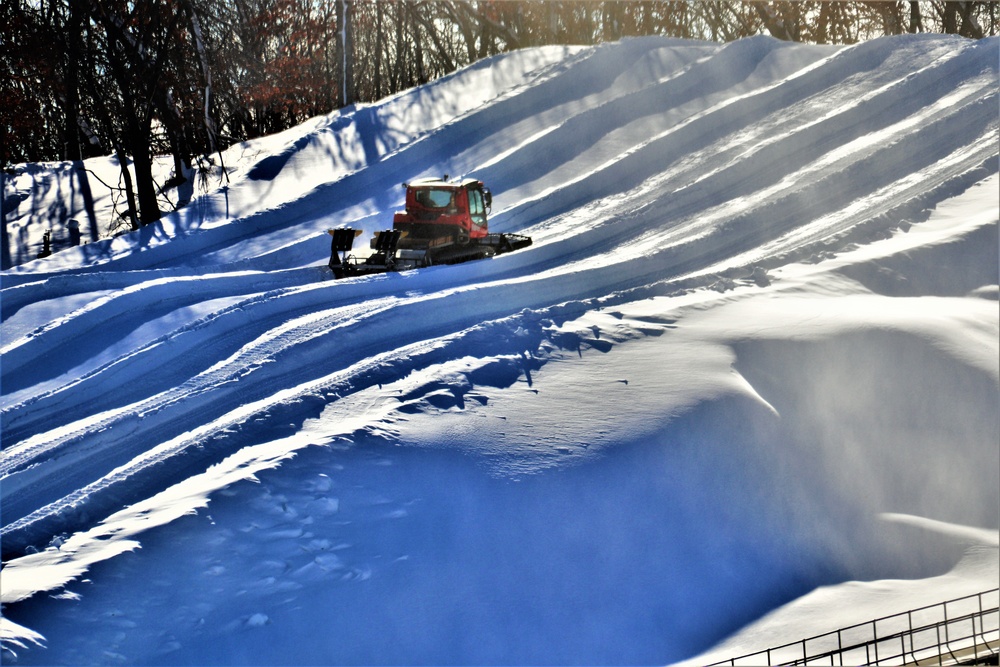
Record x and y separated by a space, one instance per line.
188 77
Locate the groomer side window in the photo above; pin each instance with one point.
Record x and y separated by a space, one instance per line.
477 210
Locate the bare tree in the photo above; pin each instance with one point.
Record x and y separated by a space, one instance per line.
189 77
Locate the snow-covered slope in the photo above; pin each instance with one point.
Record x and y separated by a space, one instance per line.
759 314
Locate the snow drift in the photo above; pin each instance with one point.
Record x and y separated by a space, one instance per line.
758 324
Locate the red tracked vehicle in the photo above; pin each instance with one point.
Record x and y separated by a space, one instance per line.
445 222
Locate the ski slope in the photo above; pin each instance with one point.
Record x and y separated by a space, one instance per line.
757 325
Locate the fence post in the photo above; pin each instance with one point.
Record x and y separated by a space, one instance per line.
875 639
982 628
909 625
947 640
975 641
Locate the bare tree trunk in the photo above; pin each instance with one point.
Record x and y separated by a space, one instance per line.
397 69
379 42
133 213
916 25
418 43
138 131
5 260
206 73
345 53
949 17
969 26
74 150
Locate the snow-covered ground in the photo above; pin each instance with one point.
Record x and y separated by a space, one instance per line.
743 388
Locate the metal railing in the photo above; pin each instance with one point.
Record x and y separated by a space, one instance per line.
964 630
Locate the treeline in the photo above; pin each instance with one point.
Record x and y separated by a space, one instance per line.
186 78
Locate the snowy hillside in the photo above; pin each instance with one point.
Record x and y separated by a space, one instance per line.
746 374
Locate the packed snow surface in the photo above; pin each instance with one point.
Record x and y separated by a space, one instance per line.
742 389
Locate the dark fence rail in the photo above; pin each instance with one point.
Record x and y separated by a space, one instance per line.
965 630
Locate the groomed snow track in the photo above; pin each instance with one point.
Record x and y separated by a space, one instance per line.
751 169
